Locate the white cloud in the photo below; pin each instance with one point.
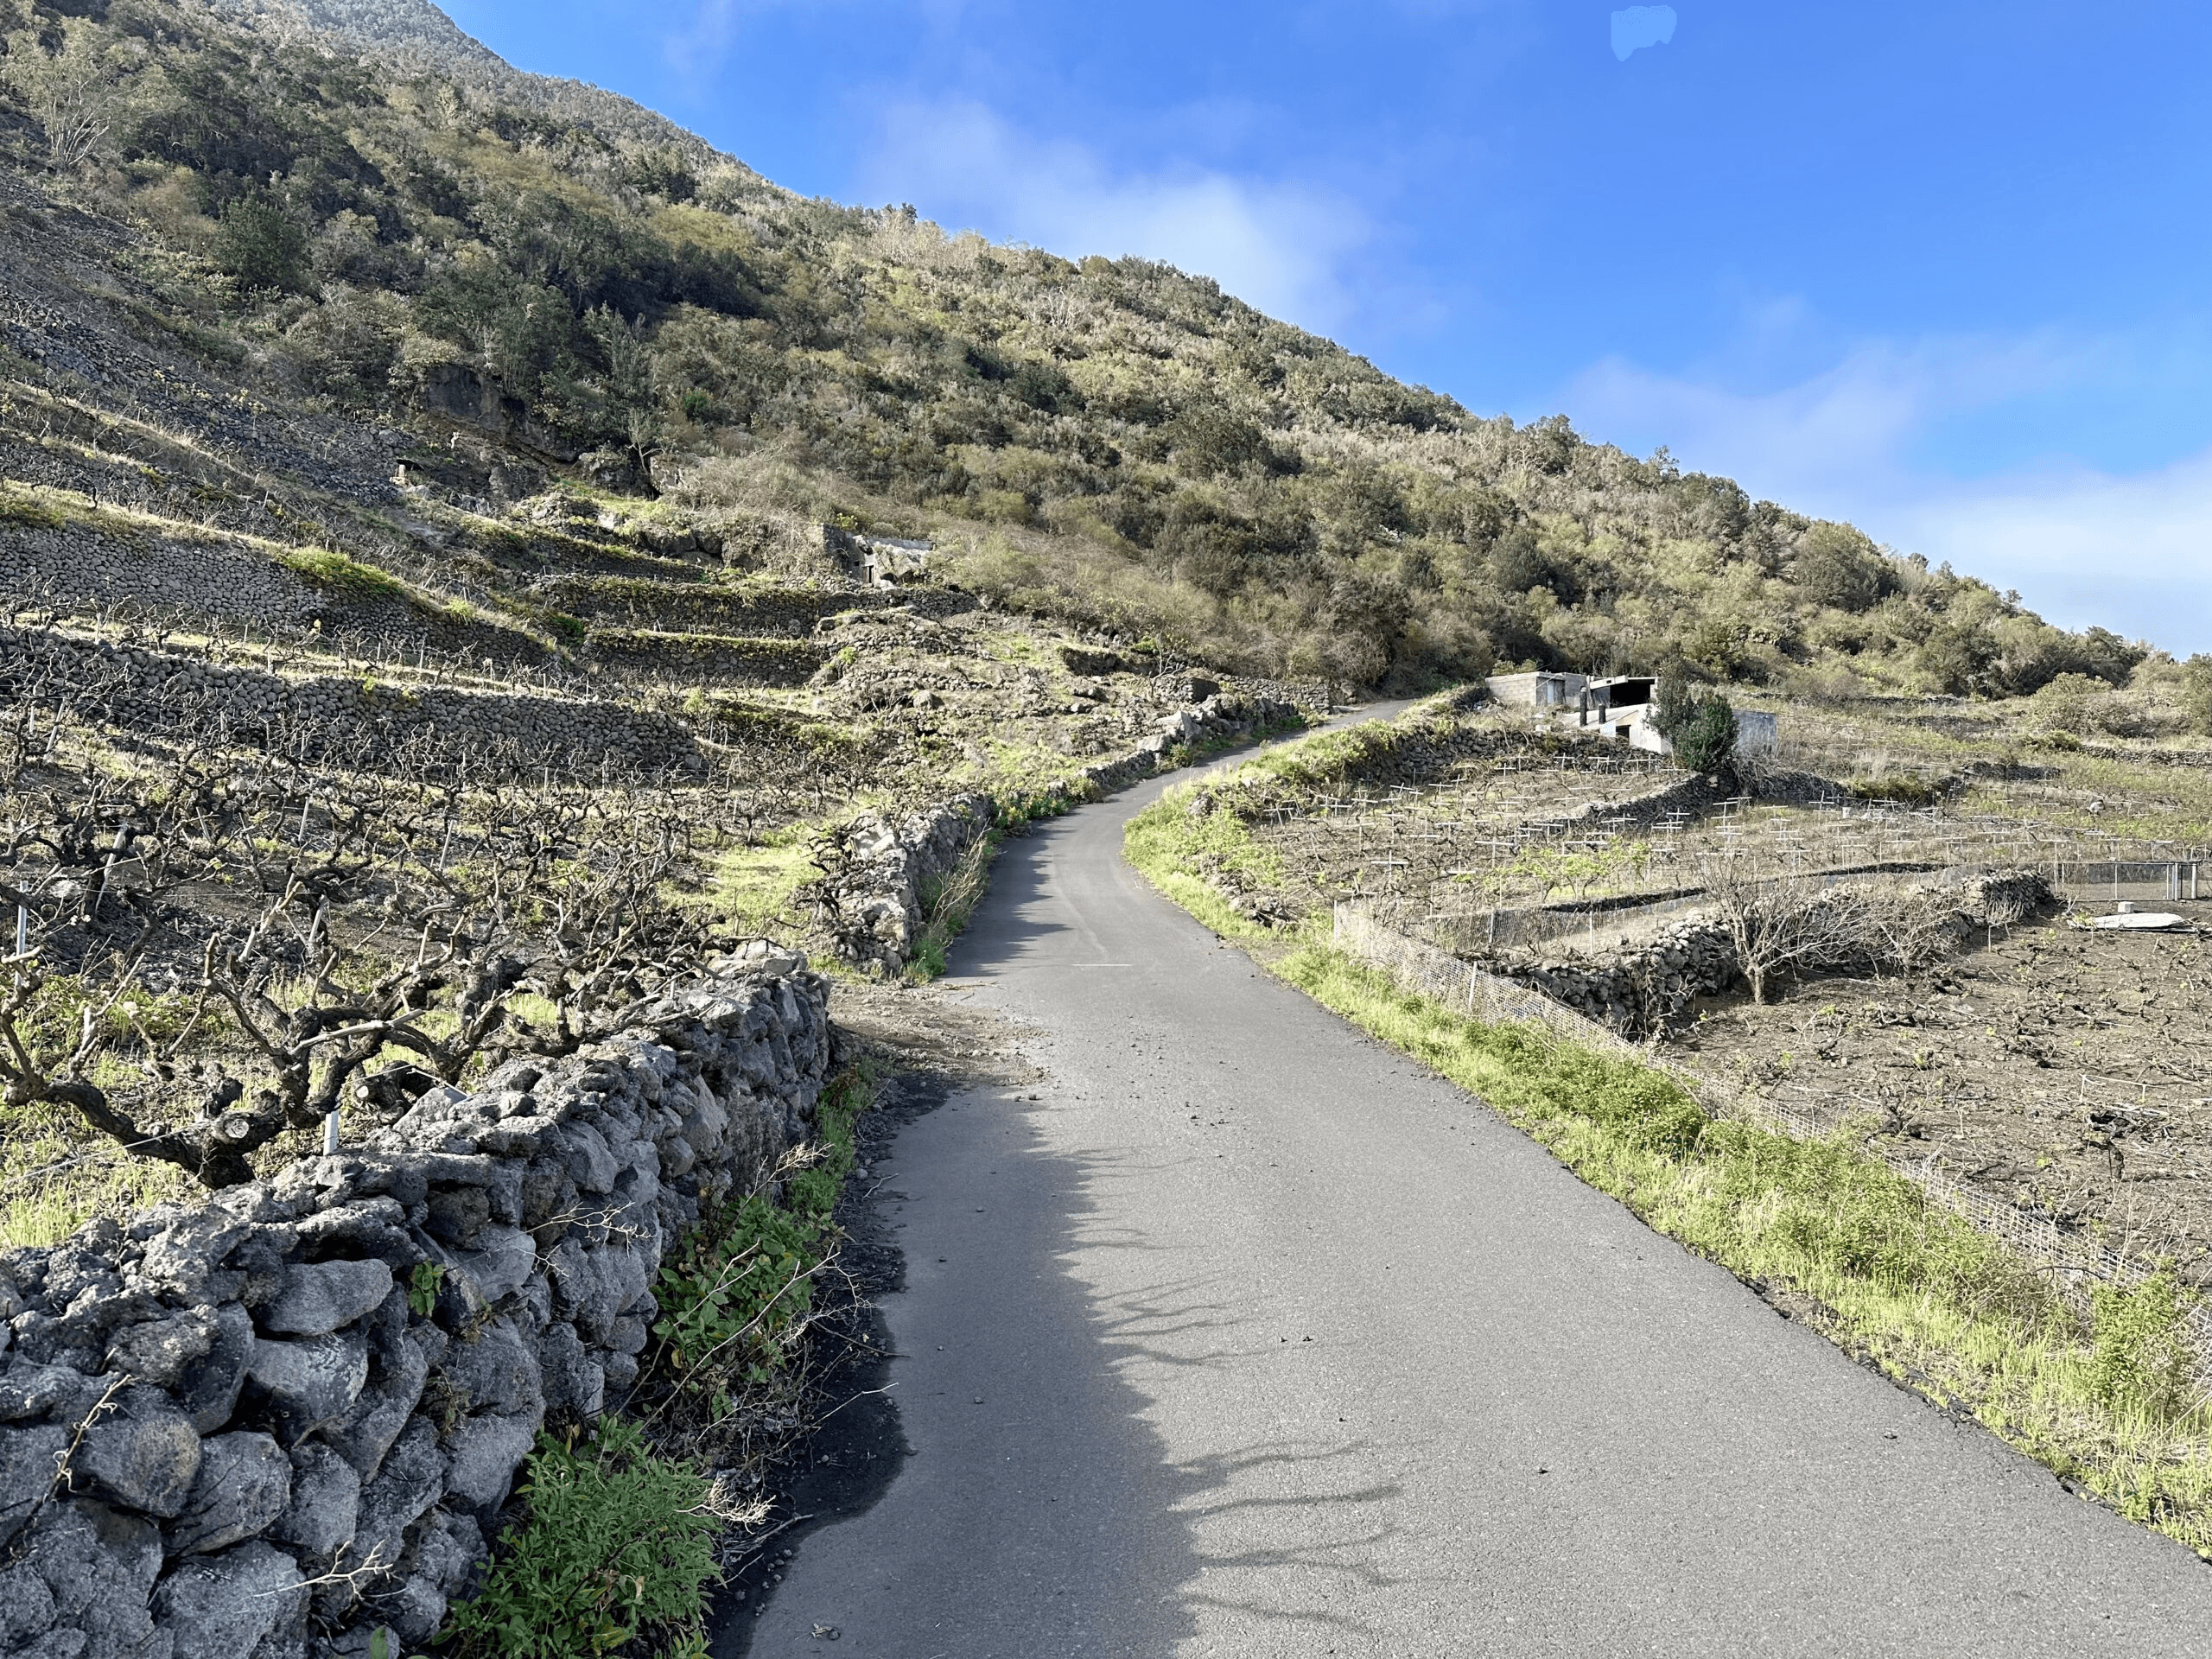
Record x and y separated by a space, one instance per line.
2132 553
1282 247
1642 26
2128 551
1832 436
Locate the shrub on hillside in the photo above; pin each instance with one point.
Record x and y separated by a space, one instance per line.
1701 725
262 245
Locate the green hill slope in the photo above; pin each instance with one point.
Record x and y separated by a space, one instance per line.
375 225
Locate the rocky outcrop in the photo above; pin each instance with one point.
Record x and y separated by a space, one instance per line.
290 1415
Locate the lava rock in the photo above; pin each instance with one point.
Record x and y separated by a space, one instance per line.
141 1452
222 1606
99 1566
366 1433
321 1297
245 1484
29 1458
158 1350
309 1384
208 1388
484 1453
326 1502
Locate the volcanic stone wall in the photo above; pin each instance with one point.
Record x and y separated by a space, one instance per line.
884 870
747 611
261 1427
1651 986
213 579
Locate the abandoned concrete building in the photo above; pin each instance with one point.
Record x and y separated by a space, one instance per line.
1619 709
1539 690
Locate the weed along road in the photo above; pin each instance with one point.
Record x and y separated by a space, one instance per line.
1243 1336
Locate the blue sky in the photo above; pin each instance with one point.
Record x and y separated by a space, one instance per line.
1940 269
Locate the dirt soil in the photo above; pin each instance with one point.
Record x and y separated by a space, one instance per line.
2062 1070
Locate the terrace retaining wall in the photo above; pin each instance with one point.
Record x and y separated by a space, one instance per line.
338 718
265 1449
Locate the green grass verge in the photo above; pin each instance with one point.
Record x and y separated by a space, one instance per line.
1936 1304
1169 843
2106 1400
341 574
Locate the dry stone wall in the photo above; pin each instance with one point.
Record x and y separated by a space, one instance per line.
1650 988
761 612
883 871
708 658
211 578
888 868
340 718
266 1450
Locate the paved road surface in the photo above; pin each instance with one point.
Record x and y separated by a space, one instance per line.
1249 1338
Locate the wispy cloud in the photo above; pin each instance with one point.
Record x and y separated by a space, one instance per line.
1283 246
1855 440
696 47
2130 552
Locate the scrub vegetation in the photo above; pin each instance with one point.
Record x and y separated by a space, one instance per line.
618 1544
1112 440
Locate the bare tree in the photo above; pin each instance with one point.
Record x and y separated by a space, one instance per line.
1787 922
77 91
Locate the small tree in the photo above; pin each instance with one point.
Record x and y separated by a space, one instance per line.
261 245
2196 686
1787 922
77 92
1700 726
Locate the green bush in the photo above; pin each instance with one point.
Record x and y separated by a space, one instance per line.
262 245
619 1543
1707 743
1700 726
735 1288
740 1285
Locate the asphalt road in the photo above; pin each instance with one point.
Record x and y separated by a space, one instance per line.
1247 1337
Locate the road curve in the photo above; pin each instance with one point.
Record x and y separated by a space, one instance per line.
1247 1336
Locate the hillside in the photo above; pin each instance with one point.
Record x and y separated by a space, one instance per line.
381 230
